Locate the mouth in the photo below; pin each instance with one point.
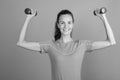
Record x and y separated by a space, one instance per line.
66 30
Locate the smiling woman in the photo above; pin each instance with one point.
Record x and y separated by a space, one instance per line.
64 21
65 24
66 55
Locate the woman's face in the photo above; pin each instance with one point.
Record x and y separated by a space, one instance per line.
65 24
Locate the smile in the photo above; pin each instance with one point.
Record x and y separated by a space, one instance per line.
66 30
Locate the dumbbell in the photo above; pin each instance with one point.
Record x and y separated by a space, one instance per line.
28 11
102 10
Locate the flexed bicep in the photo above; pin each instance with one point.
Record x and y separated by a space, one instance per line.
29 45
34 46
96 45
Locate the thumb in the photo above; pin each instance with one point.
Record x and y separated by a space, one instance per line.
35 12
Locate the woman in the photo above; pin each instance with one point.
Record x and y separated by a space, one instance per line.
66 54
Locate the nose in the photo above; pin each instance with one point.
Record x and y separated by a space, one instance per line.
65 26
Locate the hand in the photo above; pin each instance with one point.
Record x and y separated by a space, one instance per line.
97 13
100 12
30 13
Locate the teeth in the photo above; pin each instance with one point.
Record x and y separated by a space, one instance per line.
66 30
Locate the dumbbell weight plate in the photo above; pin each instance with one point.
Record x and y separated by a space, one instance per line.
28 11
103 10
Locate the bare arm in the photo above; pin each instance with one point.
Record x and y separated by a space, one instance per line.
21 42
23 30
109 32
110 40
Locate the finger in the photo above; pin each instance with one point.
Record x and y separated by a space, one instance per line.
35 12
32 11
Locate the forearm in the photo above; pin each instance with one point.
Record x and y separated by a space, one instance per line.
23 30
109 32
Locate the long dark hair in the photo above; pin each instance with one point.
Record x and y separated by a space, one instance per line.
57 30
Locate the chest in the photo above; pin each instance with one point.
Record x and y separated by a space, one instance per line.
71 50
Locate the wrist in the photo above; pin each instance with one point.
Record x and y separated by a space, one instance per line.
28 18
104 16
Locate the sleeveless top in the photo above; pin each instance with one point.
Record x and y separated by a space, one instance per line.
66 58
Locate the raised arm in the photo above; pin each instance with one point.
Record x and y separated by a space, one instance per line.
109 41
22 42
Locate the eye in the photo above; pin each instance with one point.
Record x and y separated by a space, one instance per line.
61 22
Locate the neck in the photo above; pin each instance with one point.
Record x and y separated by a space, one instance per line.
66 38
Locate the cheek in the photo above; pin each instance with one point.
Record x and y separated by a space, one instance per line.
61 26
71 26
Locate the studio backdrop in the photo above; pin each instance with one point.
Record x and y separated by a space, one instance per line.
20 64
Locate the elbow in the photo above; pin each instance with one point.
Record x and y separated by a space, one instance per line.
113 43
18 43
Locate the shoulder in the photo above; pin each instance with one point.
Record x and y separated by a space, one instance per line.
46 43
85 41
51 42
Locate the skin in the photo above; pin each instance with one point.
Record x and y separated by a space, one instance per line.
66 26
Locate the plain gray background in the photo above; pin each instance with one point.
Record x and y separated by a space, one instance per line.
20 64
